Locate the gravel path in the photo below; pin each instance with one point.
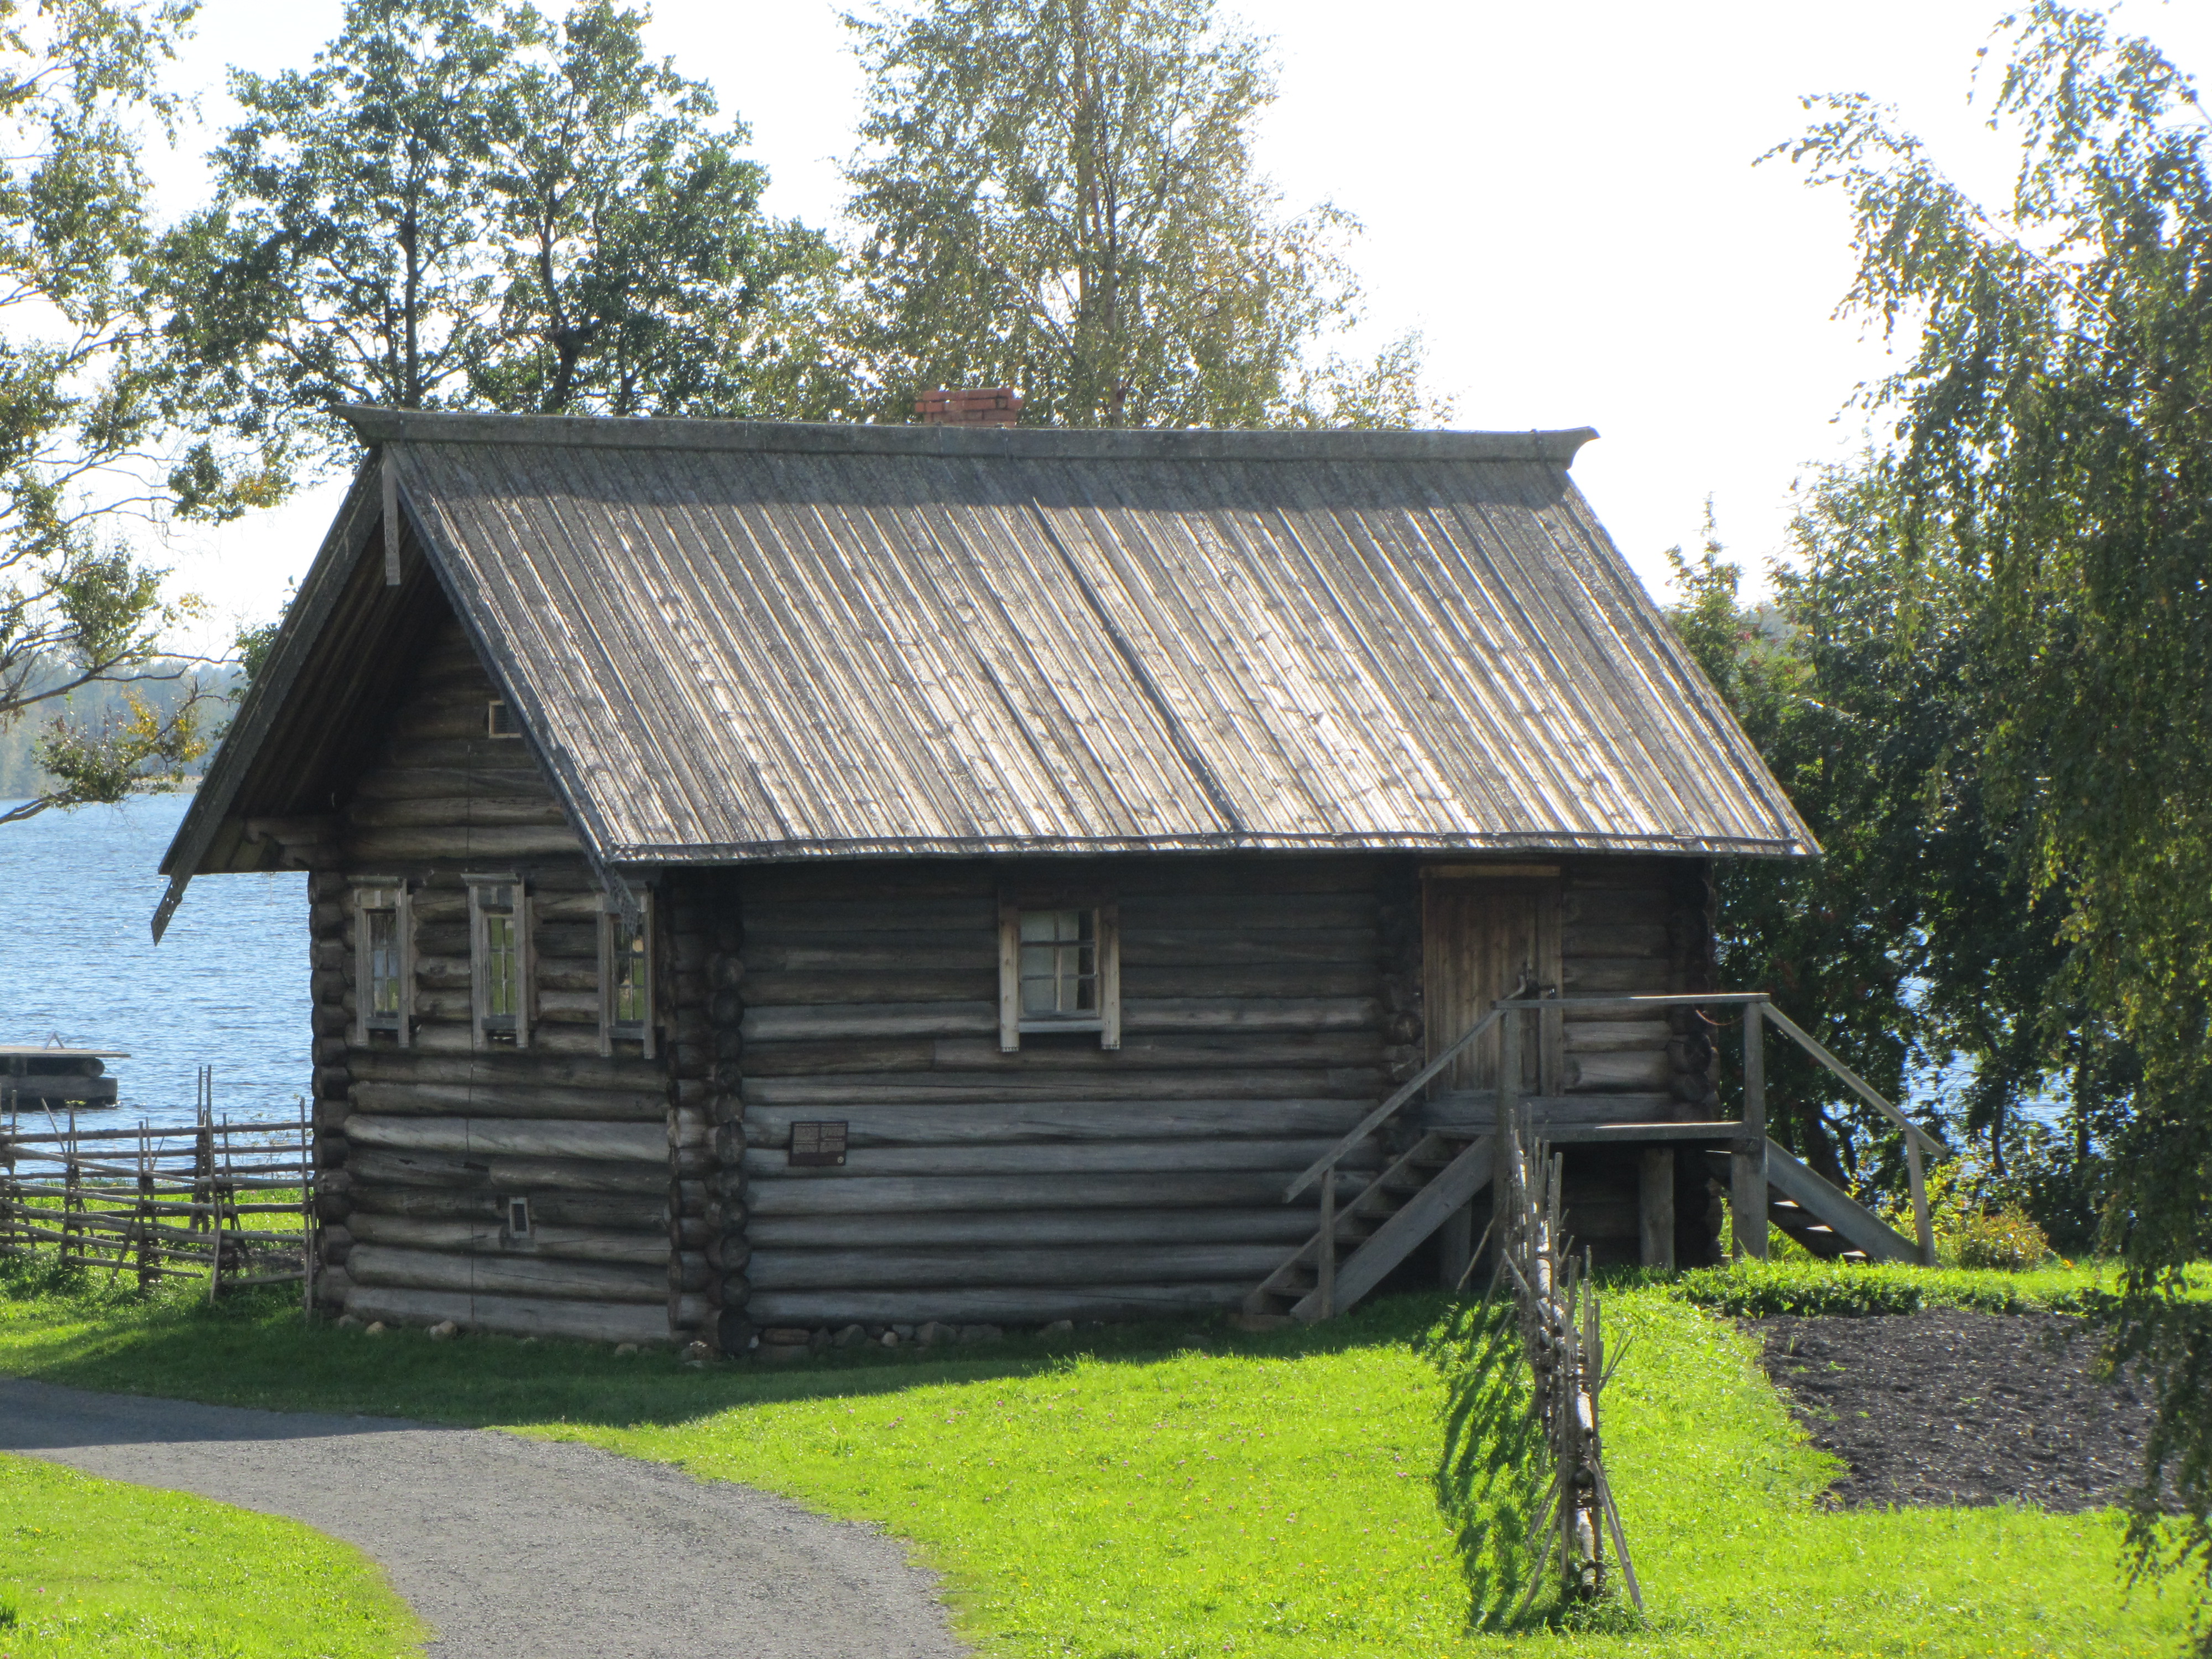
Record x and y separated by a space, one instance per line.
1954 1407
519 1549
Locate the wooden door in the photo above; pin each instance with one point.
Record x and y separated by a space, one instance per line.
1482 938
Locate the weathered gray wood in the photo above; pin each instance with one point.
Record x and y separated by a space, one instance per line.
1278 1226
372 1166
1140 1015
516 1274
467 843
512 1316
1654 1208
764 1167
414 1099
612 1212
1476 1110
520 1137
1450 1189
1747 1164
1229 1082
1633 1071
984 1122
1856 1225
901 1268
643 1248
1013 1305
888 1194
1595 1037
505 1071
472 812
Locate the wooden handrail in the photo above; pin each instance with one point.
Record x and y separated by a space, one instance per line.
1382 1114
1866 1092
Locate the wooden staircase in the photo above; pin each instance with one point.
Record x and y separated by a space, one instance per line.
1359 1242
1356 1243
1826 1221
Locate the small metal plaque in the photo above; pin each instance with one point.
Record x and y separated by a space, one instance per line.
817 1145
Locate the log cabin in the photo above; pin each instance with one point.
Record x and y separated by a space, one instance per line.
783 877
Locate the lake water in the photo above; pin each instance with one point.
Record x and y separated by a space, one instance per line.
227 986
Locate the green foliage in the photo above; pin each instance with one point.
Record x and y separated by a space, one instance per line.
85 397
2054 417
1813 1288
2006 1238
1060 195
463 206
93 1569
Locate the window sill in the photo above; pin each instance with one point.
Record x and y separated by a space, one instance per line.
1046 1027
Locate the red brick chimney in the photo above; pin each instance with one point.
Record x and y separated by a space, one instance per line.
973 406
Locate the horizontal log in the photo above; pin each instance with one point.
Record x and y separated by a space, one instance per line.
1591 1036
1614 907
482 752
1010 1305
985 1123
1247 913
1053 1157
978 982
511 1069
1647 940
906 1268
460 845
512 1316
1634 1069
1157 876
521 1137
1582 976
453 1037
1364 1084
1072 1056
611 1211
1279 1227
374 1166
1140 1016
453 811
1188 946
462 1100
516 1274
846 1020
888 1194
647 1248
1477 1109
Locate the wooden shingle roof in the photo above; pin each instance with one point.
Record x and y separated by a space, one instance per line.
734 641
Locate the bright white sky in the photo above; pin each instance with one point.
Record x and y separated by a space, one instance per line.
1561 196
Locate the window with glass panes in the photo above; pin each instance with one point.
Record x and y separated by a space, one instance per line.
1059 964
626 974
499 968
382 964
1059 967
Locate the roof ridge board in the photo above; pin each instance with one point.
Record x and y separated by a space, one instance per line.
374 425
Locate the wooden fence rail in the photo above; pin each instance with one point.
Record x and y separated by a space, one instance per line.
160 1202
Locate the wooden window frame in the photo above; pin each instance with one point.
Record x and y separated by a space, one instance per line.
480 1033
1106 934
612 1030
492 711
368 895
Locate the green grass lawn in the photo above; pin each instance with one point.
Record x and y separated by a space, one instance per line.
97 1570
1281 1495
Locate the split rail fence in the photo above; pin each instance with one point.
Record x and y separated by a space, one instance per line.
190 1202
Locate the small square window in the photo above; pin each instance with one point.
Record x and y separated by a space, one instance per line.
1059 964
499 719
1059 968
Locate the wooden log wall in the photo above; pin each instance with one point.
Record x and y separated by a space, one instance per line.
426 1143
1638 925
1063 1180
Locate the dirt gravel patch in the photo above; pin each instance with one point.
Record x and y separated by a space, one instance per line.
515 1548
1948 1406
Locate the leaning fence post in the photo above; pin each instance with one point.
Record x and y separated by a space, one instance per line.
306 1215
1748 1187
1921 1224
